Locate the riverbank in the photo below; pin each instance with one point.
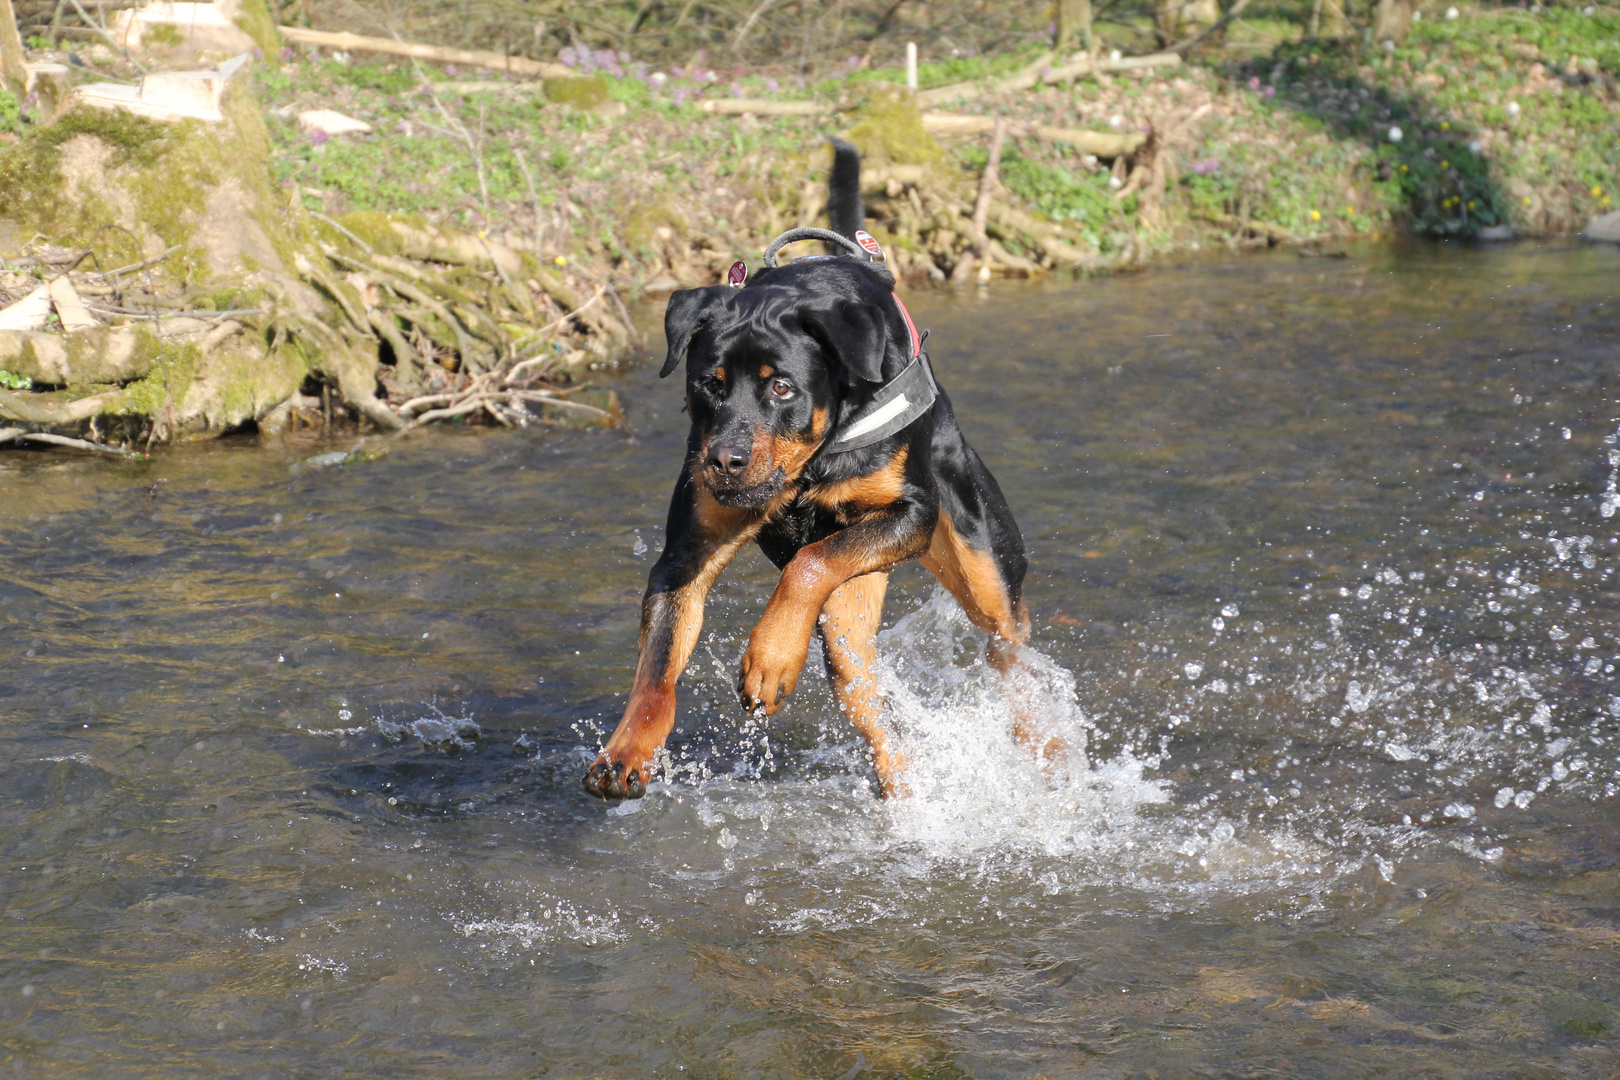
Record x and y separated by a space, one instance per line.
1497 121
627 180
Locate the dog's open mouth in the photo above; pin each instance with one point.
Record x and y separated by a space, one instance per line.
747 496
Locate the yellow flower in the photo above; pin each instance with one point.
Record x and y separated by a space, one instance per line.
561 260
1445 164
1349 210
1316 215
1596 191
1604 200
1527 200
1472 204
483 234
1445 125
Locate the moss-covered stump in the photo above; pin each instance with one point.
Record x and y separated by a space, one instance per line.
186 256
203 298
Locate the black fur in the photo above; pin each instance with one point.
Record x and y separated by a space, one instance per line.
774 371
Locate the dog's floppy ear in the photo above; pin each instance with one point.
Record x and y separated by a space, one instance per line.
853 332
687 310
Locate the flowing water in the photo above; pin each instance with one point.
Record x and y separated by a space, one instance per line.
1322 579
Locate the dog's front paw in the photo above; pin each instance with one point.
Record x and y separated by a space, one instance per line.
769 673
609 779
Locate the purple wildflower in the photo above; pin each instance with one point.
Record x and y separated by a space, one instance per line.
1254 82
318 137
772 85
287 54
1206 166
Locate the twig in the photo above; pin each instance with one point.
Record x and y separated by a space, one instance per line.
987 187
534 197
102 31
131 313
1219 24
530 339
142 265
459 129
63 440
369 250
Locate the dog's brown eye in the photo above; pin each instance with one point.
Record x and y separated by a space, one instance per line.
781 387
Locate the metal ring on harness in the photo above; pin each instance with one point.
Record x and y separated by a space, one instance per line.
810 233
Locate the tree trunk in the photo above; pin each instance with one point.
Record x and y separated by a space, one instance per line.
1391 18
13 73
1074 22
1173 18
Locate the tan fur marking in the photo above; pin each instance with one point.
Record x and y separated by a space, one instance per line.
872 491
720 520
973 578
849 624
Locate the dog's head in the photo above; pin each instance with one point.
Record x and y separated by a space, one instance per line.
771 367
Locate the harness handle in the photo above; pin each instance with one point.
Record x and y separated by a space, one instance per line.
812 233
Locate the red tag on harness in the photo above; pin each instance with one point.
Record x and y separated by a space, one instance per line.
911 327
737 274
875 249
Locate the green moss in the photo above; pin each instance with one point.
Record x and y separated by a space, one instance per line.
376 228
164 34
586 93
644 217
889 127
253 17
10 112
173 368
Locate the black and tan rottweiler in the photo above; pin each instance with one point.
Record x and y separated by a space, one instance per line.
819 433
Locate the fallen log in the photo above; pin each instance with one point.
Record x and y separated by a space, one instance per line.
1104 144
346 42
765 107
1037 74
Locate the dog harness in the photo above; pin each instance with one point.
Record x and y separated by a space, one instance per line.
903 398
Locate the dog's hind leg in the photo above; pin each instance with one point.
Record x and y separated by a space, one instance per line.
849 625
978 581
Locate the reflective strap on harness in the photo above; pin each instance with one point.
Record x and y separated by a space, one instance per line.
900 401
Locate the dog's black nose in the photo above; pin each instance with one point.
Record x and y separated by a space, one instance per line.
731 460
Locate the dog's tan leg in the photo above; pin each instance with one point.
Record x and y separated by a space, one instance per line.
776 649
671 620
972 577
849 626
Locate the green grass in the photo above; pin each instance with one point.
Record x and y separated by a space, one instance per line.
1488 137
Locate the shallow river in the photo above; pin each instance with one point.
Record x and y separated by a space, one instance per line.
1322 574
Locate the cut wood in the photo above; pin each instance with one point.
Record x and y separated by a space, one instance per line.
1036 74
987 188
765 107
168 95
1104 144
344 42
29 313
69 308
